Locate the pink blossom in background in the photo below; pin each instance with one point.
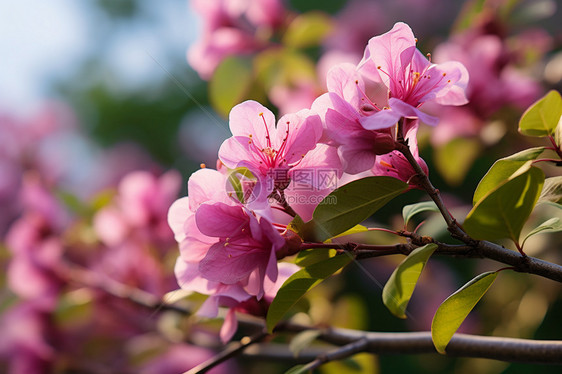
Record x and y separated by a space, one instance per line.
232 28
356 23
494 83
25 339
182 357
36 245
140 209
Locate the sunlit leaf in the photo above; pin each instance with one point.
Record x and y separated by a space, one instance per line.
352 203
314 255
503 212
230 83
551 225
303 340
552 190
357 364
298 369
454 159
300 283
308 29
541 118
454 310
411 210
354 230
503 169
283 67
400 286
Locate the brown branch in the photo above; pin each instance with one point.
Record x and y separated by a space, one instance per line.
461 345
233 349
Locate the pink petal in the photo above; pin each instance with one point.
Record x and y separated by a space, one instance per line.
302 130
220 266
252 118
177 216
406 110
344 81
206 185
221 220
229 326
386 51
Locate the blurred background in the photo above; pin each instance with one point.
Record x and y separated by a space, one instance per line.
107 107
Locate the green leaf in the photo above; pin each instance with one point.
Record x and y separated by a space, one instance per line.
236 177
454 159
543 116
453 311
400 286
300 283
552 190
297 369
307 30
283 67
411 210
503 169
352 203
314 255
354 230
303 340
551 225
230 83
503 211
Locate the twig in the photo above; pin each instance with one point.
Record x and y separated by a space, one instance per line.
230 351
338 354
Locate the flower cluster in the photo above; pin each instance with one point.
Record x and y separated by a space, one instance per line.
232 227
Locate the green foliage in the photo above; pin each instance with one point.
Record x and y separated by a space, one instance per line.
352 203
283 66
551 225
235 178
541 118
303 340
552 190
454 159
231 83
400 286
453 311
307 30
314 255
300 283
409 211
503 169
503 211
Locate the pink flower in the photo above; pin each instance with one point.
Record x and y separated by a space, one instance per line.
411 80
232 28
273 153
343 110
140 208
226 250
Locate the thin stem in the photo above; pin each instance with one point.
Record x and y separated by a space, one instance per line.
280 197
455 230
338 354
556 147
233 349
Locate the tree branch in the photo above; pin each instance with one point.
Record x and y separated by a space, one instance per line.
230 351
462 345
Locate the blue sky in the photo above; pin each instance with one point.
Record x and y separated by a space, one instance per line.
41 40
